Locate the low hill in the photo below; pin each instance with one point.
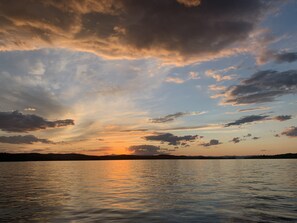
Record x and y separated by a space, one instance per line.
9 157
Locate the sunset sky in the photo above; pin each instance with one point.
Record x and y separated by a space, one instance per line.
188 77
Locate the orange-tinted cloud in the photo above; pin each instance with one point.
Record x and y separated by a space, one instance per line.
168 29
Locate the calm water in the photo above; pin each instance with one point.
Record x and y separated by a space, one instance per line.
149 191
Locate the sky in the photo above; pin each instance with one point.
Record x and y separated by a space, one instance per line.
148 77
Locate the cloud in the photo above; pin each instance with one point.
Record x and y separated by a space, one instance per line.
236 140
247 119
26 139
291 132
28 93
172 117
253 109
171 139
37 69
218 77
282 118
190 128
135 130
190 3
130 28
193 75
178 128
288 57
100 149
278 57
216 87
256 118
18 122
263 86
180 80
30 109
212 142
145 150
168 118
176 80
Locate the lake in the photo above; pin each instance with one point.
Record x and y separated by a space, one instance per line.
149 191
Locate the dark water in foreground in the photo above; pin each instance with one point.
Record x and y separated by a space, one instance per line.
149 191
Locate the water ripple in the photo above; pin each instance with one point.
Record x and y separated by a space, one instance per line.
149 191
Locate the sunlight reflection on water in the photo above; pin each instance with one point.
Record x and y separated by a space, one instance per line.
149 191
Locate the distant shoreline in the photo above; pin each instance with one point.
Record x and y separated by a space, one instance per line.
22 157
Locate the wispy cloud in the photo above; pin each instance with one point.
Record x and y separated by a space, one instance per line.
180 79
282 118
176 80
216 87
249 110
219 75
257 118
247 119
172 117
190 128
253 109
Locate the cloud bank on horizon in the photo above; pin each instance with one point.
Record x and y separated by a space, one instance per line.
175 73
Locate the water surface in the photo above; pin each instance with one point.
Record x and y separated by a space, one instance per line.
149 191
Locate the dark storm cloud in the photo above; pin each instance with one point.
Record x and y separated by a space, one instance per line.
145 150
282 118
263 86
168 118
167 28
255 138
212 142
247 119
26 139
171 139
18 122
291 132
